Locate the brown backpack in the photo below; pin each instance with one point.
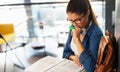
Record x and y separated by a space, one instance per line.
107 54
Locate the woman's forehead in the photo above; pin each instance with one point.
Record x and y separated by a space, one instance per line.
74 15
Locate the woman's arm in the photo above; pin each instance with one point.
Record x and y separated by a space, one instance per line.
76 38
67 49
89 56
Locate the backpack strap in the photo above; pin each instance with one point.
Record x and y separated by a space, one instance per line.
102 45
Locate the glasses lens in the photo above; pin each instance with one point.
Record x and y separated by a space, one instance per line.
77 21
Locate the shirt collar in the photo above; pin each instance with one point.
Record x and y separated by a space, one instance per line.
84 30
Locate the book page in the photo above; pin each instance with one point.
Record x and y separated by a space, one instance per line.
66 66
52 64
43 64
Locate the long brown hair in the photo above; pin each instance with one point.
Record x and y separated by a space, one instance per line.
81 6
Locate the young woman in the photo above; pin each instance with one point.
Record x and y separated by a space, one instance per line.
83 41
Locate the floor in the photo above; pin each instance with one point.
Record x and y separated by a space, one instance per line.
28 55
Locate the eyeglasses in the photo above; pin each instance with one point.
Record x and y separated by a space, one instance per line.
76 21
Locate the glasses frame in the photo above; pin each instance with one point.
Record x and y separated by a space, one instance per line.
76 21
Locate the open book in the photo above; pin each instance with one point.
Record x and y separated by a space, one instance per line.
52 64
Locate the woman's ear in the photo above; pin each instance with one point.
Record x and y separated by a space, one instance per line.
88 12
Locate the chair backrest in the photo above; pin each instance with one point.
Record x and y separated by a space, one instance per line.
7 31
107 54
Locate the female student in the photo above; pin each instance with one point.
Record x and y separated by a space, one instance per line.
83 41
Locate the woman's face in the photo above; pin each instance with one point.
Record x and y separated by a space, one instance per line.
80 21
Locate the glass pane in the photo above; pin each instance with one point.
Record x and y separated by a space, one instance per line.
99 10
2 2
48 20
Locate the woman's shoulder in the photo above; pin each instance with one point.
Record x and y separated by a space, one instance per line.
94 29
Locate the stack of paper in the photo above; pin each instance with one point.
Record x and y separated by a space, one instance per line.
52 64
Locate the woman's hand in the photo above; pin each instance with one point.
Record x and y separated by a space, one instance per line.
76 34
75 59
